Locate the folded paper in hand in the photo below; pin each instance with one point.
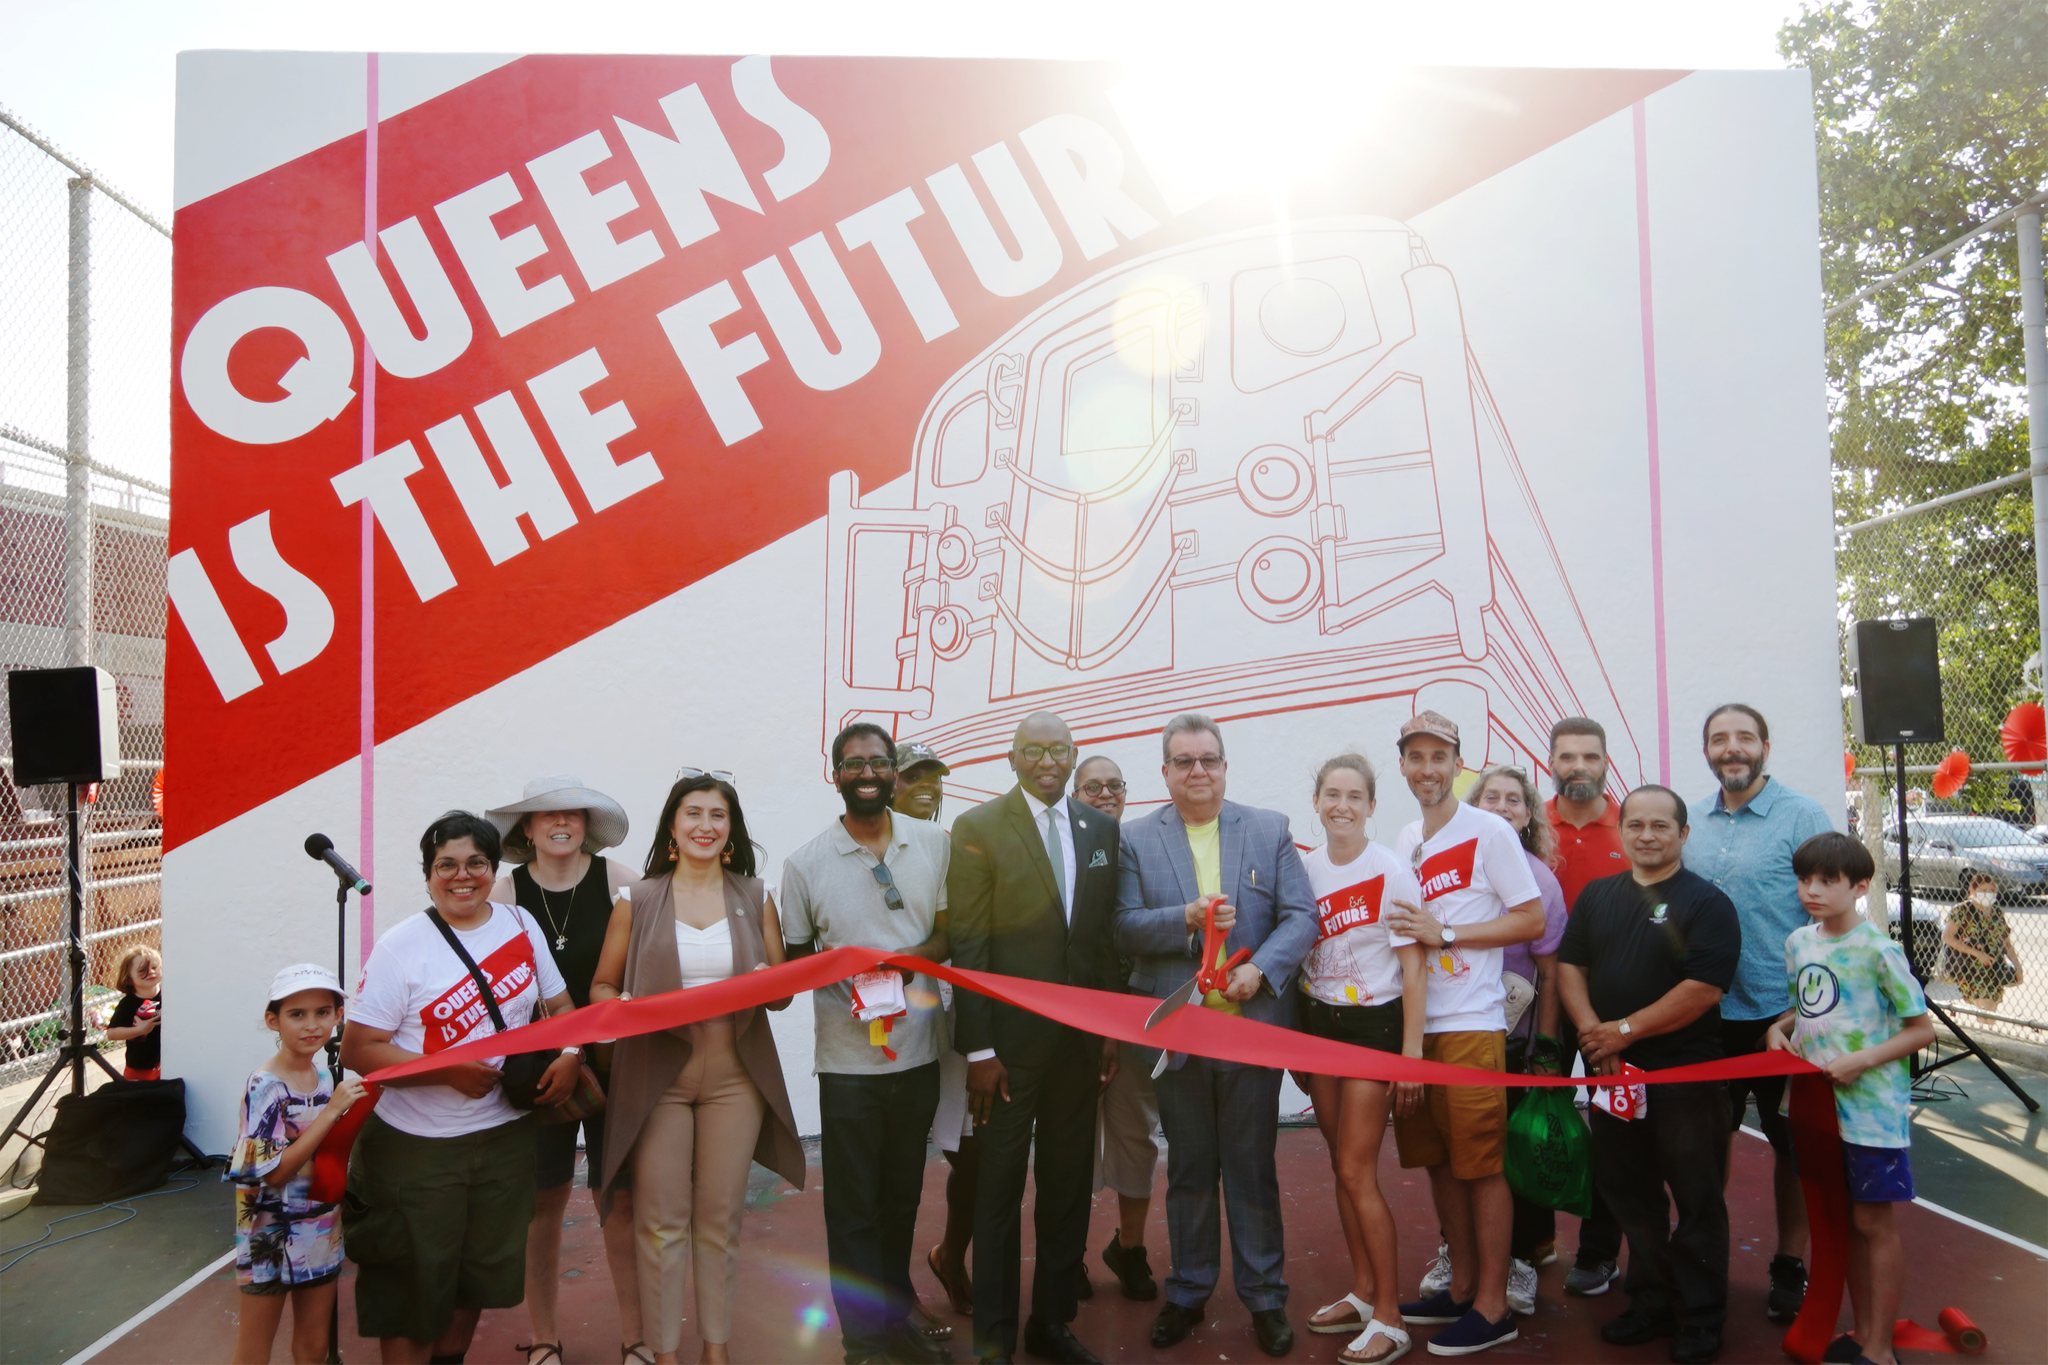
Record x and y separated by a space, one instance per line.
878 995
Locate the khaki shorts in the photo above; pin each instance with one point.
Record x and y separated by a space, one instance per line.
1464 1125
436 1224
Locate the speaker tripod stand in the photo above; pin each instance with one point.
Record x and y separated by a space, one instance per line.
1917 961
74 1051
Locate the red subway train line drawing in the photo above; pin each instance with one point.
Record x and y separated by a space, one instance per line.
1254 474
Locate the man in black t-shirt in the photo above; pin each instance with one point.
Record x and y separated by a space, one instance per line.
1641 971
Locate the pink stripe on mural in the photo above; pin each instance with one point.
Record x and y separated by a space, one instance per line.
1638 116
367 763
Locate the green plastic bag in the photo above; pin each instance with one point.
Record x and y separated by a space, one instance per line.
1550 1153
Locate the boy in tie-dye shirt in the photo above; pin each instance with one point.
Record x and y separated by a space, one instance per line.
1858 1014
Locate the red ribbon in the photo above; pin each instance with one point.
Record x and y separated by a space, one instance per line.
1229 1038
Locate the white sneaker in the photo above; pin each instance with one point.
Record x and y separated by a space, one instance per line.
1521 1288
1438 1276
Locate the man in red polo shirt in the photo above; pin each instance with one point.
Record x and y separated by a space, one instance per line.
1586 823
1587 826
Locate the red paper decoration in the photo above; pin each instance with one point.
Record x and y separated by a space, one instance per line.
2024 735
1951 773
1848 765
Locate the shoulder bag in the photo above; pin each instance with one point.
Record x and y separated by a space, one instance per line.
521 1078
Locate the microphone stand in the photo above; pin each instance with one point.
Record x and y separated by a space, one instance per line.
342 886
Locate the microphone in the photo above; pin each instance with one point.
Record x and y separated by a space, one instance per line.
320 847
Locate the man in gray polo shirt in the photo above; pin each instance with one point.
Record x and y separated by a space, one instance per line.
872 881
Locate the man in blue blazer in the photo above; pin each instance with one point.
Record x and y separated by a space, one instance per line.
1220 1118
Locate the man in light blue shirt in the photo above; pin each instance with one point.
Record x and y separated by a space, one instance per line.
1742 841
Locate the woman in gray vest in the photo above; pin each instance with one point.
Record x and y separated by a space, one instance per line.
689 1107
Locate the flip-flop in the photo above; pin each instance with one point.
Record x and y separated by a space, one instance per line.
1340 1328
1352 1354
959 1289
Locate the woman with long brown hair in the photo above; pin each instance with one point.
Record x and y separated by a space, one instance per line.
690 1108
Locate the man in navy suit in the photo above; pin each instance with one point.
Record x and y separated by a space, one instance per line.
1220 1118
1031 892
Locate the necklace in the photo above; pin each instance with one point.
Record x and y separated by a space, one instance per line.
562 929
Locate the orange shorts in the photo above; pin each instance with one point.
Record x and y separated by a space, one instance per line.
1464 1125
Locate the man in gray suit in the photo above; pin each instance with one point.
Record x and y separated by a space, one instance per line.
1220 1118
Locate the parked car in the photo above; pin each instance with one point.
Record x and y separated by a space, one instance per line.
1928 918
1947 848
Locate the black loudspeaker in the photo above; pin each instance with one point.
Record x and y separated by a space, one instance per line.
66 725
1898 682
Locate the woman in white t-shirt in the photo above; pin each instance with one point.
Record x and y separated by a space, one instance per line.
441 1182
1365 986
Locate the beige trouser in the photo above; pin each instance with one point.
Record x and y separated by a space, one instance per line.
690 1182
1126 1153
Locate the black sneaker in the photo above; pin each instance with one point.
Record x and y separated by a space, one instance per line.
1788 1288
1636 1326
1438 1307
1843 1350
1132 1269
1695 1345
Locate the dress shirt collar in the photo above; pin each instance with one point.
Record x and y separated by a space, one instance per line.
1760 804
1038 808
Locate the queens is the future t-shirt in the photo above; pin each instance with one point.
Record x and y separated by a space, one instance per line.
1471 872
1353 961
415 986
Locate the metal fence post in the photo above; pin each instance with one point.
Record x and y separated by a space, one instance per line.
2031 319
78 625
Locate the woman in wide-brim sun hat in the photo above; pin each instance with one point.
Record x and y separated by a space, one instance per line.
555 836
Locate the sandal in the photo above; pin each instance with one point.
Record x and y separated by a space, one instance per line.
636 1354
959 1288
922 1319
1353 1354
546 1349
1346 1325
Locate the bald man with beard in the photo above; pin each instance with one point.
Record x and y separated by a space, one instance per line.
1031 892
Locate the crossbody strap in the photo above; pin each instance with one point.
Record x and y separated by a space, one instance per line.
475 973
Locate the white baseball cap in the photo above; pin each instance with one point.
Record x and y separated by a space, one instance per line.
305 976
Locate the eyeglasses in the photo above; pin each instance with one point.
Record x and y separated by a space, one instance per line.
1033 753
721 774
475 867
1114 786
1187 763
861 767
891 897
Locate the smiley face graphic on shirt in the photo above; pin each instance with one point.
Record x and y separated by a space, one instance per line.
1817 990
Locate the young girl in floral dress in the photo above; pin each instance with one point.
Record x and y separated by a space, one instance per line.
286 1244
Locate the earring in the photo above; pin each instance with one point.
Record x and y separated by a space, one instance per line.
726 857
672 849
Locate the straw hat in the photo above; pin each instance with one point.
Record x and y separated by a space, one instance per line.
607 819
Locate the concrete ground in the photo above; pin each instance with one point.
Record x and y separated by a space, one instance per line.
1979 1155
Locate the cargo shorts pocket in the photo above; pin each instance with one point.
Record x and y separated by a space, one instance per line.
373 1235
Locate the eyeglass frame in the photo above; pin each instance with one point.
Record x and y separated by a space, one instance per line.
469 865
1059 753
1095 786
685 773
1187 763
865 767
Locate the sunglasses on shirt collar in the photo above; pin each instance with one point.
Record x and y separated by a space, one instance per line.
891 897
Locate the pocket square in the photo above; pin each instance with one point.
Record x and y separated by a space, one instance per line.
1101 858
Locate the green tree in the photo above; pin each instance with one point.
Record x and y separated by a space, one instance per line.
1931 119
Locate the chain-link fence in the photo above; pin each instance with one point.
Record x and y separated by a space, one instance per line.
84 457
1934 495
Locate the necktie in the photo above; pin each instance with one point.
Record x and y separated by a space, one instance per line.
1059 858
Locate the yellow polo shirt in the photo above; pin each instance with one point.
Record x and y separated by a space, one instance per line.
1205 842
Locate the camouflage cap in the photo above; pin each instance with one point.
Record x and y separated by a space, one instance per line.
915 754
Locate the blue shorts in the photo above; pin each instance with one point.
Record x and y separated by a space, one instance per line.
1878 1175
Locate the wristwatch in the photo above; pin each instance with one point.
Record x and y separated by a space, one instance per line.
571 1051
1450 936
1625 1029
